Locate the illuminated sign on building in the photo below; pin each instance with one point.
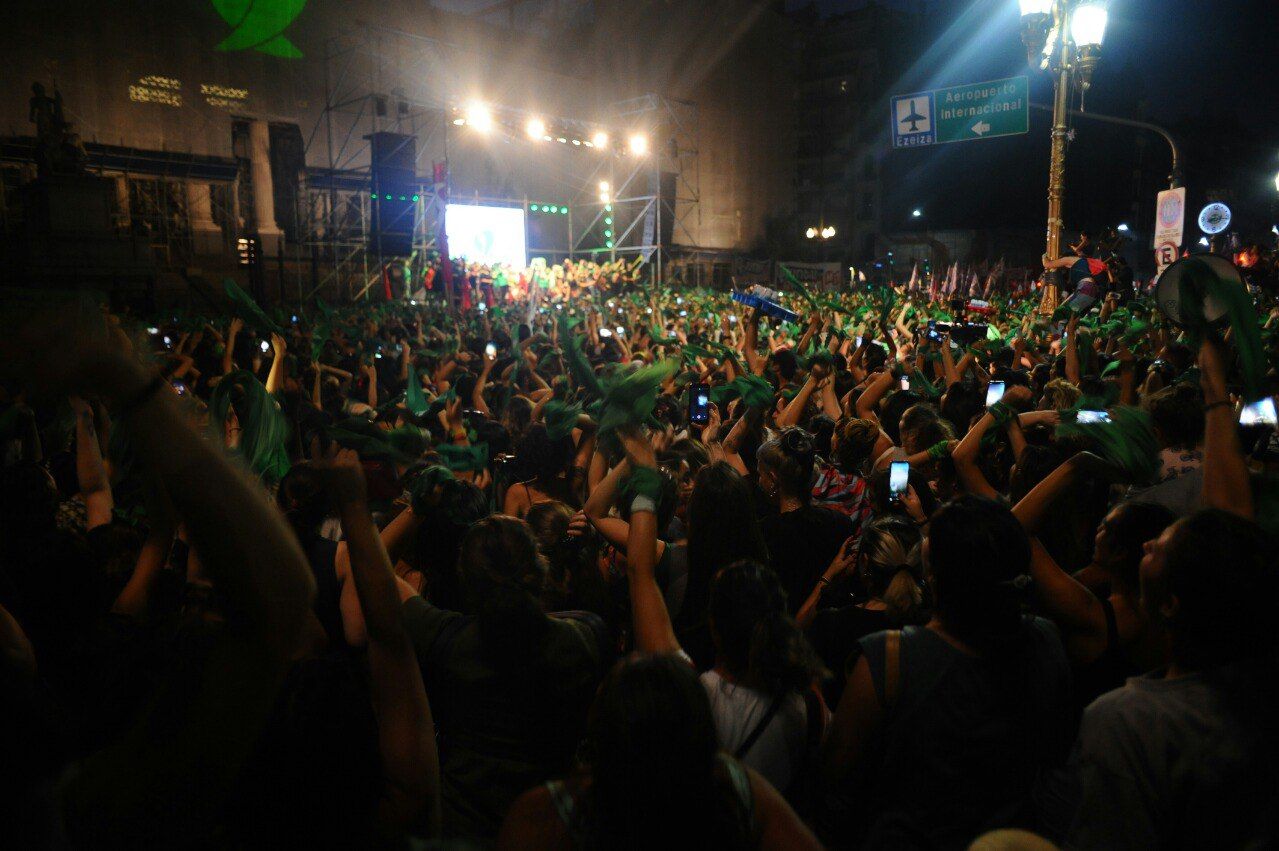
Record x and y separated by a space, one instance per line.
259 25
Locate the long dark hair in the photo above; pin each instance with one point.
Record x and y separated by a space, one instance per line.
977 555
756 639
438 541
503 578
652 747
722 529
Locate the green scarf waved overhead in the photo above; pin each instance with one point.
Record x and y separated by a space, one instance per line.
463 459
414 398
799 287
560 418
754 391
1127 442
630 400
263 428
243 305
1199 282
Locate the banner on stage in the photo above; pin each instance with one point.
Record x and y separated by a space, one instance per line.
824 277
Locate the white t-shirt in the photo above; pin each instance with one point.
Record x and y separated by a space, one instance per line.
779 750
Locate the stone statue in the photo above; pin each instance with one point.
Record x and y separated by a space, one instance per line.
59 149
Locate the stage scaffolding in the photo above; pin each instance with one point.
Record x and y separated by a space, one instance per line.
374 82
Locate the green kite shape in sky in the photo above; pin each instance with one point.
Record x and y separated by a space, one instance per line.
260 25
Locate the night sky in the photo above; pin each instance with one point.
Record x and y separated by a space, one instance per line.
1206 70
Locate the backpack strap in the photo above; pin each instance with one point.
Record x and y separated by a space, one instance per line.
760 726
892 667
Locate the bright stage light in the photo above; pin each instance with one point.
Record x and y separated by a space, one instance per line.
1123 228
577 142
536 128
828 231
1203 240
479 117
639 144
1036 7
916 213
599 139
811 233
604 187
458 122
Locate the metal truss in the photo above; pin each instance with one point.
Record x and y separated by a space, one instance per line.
375 80
638 206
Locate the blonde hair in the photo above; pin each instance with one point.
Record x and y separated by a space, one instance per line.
893 549
1059 394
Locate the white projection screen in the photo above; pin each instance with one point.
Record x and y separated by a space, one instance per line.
486 234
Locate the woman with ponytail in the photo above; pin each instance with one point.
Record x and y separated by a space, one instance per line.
878 586
514 682
946 727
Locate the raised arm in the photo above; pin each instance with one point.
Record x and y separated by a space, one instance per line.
750 345
652 622
1226 481
615 530
477 393
876 390
406 732
228 356
1066 601
165 782
275 378
95 487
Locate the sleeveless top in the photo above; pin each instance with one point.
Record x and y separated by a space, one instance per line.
1108 671
567 809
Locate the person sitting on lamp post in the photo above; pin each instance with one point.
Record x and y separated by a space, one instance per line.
1083 279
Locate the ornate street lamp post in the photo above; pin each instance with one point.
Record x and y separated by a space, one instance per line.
1062 37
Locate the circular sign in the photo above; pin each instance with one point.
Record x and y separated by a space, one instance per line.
1170 210
1165 255
1214 218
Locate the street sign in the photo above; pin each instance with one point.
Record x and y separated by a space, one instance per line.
1165 255
1170 216
961 113
912 117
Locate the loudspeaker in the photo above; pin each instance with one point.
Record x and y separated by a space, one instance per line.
393 156
1187 291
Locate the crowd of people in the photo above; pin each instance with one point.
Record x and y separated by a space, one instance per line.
616 566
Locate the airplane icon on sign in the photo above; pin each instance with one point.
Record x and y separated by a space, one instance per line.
913 118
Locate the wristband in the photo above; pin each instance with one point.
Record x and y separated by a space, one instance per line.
140 398
1001 413
643 503
644 481
940 449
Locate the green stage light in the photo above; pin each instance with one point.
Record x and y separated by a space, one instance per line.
416 198
608 233
533 207
564 211
608 220
401 197
387 197
546 209
608 208
608 244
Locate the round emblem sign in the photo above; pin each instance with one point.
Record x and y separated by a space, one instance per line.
1170 210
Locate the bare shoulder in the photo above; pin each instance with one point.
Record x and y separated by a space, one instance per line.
779 826
532 822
